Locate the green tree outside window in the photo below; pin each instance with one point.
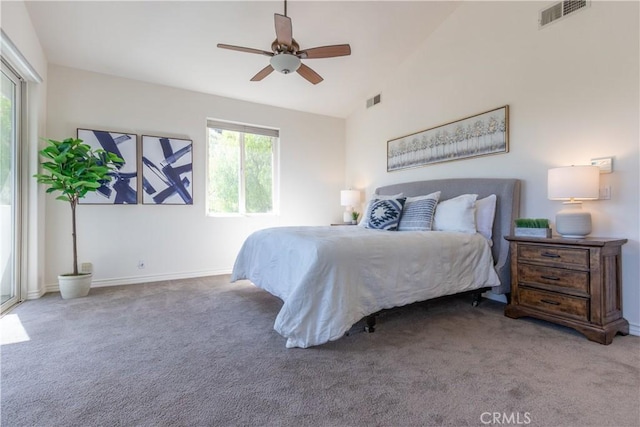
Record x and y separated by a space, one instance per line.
241 172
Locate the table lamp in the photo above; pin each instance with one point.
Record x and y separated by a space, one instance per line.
573 184
350 199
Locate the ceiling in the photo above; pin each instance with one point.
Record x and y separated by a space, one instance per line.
174 43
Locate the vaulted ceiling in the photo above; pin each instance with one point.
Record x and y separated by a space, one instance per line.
174 43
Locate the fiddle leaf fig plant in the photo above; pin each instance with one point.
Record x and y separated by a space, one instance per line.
73 169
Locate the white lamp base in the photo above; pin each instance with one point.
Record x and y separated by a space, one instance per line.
346 216
572 222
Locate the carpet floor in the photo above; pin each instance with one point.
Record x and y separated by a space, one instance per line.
203 352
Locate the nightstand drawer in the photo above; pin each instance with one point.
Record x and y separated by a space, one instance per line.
573 307
565 257
572 279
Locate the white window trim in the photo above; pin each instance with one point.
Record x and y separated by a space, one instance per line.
18 232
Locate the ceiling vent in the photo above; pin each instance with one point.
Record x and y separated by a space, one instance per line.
373 101
560 10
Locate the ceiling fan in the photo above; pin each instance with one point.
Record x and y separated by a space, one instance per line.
286 53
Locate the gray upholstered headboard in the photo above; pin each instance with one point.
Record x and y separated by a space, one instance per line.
507 192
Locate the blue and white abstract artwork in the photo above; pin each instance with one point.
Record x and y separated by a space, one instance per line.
167 171
122 188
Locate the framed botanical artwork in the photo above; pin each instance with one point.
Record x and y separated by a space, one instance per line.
167 171
122 188
480 135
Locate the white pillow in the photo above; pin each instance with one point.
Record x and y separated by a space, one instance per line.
457 214
364 222
485 214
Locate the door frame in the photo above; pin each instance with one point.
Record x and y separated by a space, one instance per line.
17 168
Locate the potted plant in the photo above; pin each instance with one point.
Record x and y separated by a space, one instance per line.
354 217
73 169
532 227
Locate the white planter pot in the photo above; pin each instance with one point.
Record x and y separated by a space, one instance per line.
532 232
74 286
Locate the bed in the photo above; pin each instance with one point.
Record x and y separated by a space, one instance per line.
329 278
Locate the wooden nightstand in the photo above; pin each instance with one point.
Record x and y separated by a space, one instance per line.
575 283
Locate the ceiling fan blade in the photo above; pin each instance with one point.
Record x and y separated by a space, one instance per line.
262 73
309 74
244 49
284 30
325 51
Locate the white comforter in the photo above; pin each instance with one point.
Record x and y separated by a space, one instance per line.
331 277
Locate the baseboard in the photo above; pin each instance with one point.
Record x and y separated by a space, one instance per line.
495 297
634 329
37 294
135 280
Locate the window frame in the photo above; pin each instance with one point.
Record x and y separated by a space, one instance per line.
243 129
17 256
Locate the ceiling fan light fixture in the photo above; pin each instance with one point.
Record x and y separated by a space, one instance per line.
286 54
285 63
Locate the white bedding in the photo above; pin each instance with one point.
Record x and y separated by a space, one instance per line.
331 277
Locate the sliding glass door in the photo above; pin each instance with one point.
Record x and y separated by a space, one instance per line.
9 193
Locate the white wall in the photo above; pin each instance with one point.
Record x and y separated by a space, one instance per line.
181 241
573 92
17 25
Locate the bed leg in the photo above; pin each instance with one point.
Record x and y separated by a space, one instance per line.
477 296
370 323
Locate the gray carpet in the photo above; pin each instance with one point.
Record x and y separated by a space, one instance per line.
203 352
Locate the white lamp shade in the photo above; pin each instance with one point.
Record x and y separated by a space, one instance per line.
349 197
573 183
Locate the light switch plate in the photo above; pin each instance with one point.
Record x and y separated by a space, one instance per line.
604 163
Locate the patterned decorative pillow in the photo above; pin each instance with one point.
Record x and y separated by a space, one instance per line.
418 212
385 214
364 219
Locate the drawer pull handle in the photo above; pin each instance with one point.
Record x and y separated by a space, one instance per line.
546 301
550 277
550 255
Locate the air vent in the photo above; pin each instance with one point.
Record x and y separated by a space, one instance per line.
560 10
373 101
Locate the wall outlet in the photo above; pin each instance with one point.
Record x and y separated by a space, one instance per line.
605 193
140 265
86 267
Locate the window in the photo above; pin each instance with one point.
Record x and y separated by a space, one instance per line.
242 169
